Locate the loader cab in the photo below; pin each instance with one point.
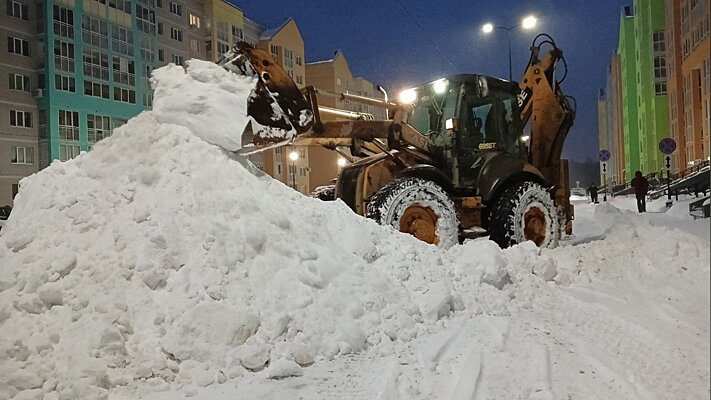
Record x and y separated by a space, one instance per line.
469 118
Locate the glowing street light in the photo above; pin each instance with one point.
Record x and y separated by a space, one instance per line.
529 22
293 156
341 162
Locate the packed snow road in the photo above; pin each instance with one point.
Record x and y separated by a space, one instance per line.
158 266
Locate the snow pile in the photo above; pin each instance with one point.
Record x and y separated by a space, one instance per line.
158 260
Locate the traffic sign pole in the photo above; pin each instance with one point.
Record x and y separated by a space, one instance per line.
604 156
667 146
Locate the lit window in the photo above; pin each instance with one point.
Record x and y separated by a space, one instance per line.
194 21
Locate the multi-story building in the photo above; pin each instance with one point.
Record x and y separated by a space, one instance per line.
334 75
225 27
628 78
180 31
651 82
689 60
19 116
610 123
293 165
76 70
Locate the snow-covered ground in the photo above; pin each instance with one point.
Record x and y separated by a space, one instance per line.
158 266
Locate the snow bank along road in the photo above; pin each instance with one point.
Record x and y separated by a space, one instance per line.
158 266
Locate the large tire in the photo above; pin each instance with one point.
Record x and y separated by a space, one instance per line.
524 211
419 207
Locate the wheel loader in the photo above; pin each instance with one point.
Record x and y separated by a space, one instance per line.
462 157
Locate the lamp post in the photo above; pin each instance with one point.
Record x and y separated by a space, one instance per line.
293 156
528 22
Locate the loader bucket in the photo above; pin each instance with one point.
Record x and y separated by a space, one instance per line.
276 105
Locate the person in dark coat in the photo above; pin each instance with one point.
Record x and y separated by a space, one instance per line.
593 192
640 185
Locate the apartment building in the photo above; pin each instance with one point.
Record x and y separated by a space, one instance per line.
334 75
180 31
20 56
689 58
225 27
292 165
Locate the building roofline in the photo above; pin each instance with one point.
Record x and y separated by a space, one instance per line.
270 33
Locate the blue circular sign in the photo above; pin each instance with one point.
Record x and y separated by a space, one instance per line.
667 145
603 155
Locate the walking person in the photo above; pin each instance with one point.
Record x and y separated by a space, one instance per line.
640 186
593 192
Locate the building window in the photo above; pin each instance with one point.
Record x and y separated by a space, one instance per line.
194 45
223 40
64 55
278 169
299 80
19 82
237 34
159 3
658 42
96 64
63 21
660 67
125 95
21 118
176 34
17 10
18 46
68 125
96 89
298 60
148 53
22 155
275 51
176 8
660 88
122 40
194 21
145 19
288 58
124 71
222 48
99 127
68 151
161 56
147 99
64 83
95 32
160 28
177 60
121 5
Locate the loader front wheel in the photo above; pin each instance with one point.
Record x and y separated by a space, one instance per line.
524 211
419 207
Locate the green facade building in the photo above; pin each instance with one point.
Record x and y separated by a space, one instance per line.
645 116
628 66
652 101
98 57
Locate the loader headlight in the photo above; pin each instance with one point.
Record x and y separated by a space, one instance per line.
440 86
407 96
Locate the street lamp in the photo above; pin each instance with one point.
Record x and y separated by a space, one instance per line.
293 156
341 162
528 22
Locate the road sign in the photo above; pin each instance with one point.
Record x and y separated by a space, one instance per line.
604 155
667 145
604 167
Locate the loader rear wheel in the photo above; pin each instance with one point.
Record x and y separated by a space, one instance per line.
419 207
524 211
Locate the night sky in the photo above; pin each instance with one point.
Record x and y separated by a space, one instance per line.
383 44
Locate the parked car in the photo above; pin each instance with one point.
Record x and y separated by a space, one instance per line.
4 214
